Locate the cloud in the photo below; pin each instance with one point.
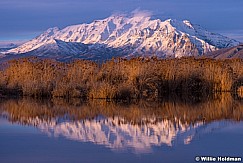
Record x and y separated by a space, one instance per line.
141 13
119 13
135 13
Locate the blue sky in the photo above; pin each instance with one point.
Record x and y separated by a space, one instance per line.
25 19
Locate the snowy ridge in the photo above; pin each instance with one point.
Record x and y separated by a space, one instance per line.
125 36
118 134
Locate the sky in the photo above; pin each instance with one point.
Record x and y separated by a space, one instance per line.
26 19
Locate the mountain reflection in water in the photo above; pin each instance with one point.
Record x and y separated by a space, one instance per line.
137 126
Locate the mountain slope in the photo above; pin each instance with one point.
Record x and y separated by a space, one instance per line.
125 37
232 52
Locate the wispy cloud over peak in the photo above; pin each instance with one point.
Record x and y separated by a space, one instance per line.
141 13
135 13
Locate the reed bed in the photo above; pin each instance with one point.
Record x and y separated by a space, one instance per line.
137 78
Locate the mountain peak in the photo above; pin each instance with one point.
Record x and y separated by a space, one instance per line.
49 32
128 36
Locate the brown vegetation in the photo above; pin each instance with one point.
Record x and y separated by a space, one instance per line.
240 91
120 78
220 107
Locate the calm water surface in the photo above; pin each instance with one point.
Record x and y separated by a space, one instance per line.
97 131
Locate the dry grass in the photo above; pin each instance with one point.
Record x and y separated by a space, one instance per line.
240 91
221 106
120 78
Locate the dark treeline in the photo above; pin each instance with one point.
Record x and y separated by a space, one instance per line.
122 79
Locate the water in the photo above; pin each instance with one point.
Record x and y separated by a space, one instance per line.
98 131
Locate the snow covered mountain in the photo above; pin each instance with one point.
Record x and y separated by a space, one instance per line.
6 47
118 134
123 36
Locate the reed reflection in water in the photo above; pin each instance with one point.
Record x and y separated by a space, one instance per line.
137 126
